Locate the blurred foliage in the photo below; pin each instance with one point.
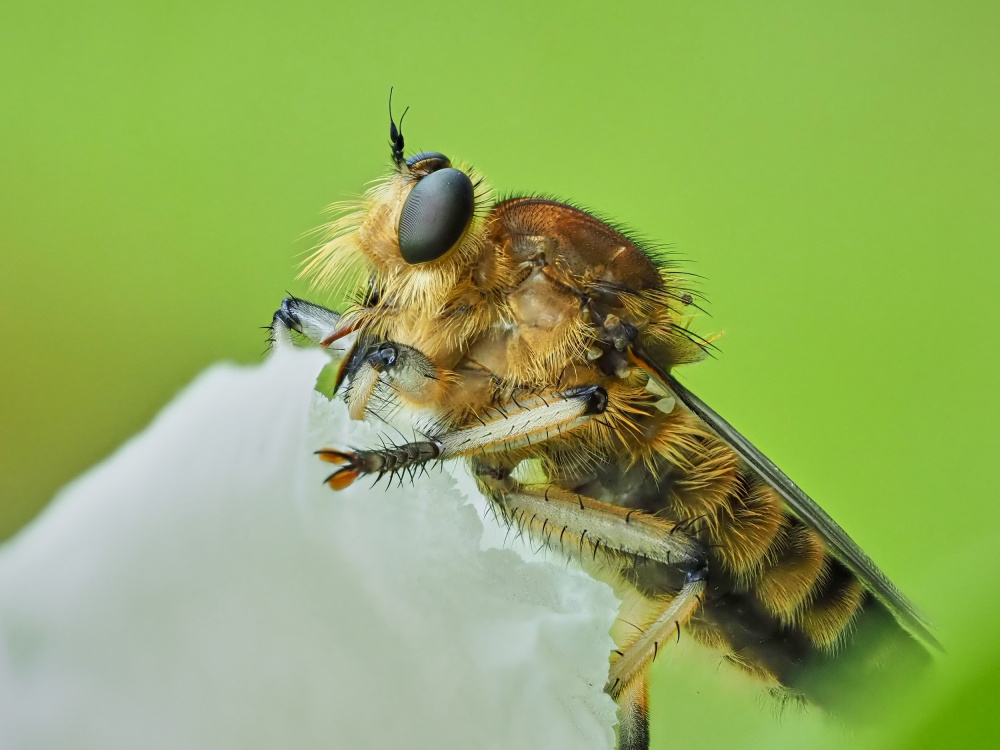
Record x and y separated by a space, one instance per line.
832 167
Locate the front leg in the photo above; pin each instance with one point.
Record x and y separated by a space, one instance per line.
410 375
315 322
537 419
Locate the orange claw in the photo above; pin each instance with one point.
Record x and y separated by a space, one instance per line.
342 478
336 457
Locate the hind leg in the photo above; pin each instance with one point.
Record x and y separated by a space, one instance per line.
599 535
627 677
664 630
633 716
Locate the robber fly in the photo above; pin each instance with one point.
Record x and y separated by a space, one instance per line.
540 342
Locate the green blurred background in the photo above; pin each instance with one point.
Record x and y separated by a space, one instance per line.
830 168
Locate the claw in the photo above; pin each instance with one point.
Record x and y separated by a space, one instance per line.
340 458
342 478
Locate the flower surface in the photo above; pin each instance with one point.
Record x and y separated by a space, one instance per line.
201 588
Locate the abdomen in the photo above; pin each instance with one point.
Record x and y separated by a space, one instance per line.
778 605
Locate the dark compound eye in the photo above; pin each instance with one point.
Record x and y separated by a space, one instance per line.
436 155
435 215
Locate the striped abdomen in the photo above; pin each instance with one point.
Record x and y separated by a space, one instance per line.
778 605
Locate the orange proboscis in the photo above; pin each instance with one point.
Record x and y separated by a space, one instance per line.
339 333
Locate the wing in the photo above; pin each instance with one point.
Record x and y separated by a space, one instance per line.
840 544
622 276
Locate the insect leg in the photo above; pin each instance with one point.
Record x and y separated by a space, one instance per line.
633 717
362 362
585 527
315 322
634 660
627 678
536 420
410 374
582 525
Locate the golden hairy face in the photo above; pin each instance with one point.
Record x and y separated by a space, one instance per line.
420 215
416 228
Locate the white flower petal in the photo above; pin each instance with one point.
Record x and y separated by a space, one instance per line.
203 589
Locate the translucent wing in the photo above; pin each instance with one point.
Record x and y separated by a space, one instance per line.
622 278
839 543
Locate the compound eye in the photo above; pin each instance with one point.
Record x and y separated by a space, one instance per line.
435 215
439 159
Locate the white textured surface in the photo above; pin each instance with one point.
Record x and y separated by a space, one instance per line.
202 589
